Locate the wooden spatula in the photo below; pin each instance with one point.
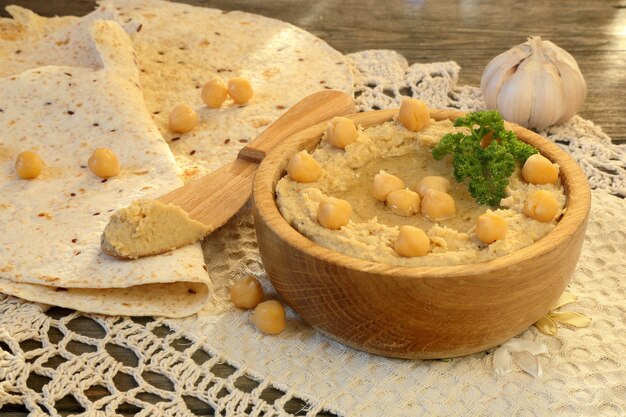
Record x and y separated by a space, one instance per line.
212 200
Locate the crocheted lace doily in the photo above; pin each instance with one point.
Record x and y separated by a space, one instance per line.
176 361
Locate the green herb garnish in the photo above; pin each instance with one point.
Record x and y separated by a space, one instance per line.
489 165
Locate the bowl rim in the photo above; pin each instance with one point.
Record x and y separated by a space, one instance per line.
573 180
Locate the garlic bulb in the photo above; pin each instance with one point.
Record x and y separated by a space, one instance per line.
535 84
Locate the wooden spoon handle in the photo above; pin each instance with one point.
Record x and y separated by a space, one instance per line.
329 103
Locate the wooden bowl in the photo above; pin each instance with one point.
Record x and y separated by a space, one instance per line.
417 312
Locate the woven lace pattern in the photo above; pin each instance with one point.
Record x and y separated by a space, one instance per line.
199 364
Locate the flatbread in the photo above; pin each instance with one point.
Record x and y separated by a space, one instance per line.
50 243
32 41
50 251
180 47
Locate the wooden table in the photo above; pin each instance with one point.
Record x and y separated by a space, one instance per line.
470 33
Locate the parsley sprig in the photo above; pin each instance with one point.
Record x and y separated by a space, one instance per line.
489 165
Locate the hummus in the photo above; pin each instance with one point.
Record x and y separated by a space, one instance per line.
372 229
148 227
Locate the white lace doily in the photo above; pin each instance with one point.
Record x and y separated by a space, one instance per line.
177 360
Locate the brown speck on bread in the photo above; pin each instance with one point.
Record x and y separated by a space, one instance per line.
96 124
243 140
227 141
300 59
74 240
113 130
70 112
322 82
218 34
191 291
175 139
18 51
97 213
77 253
104 180
60 289
83 166
72 194
161 53
192 152
68 74
156 112
280 107
139 27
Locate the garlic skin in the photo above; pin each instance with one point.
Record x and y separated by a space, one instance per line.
535 84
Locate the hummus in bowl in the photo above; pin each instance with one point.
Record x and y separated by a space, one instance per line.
348 174
414 311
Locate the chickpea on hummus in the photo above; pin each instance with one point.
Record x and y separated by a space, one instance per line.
379 195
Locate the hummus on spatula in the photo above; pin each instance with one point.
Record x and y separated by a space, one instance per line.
148 227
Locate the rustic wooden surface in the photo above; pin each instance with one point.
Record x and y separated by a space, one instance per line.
470 33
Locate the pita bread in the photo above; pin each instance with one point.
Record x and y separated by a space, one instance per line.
39 41
181 47
50 252
50 245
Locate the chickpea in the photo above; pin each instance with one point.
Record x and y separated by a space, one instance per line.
269 317
246 293
240 90
539 170
490 227
302 167
341 132
385 183
28 165
333 213
214 93
433 182
182 118
403 202
541 205
104 163
437 205
411 241
414 114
